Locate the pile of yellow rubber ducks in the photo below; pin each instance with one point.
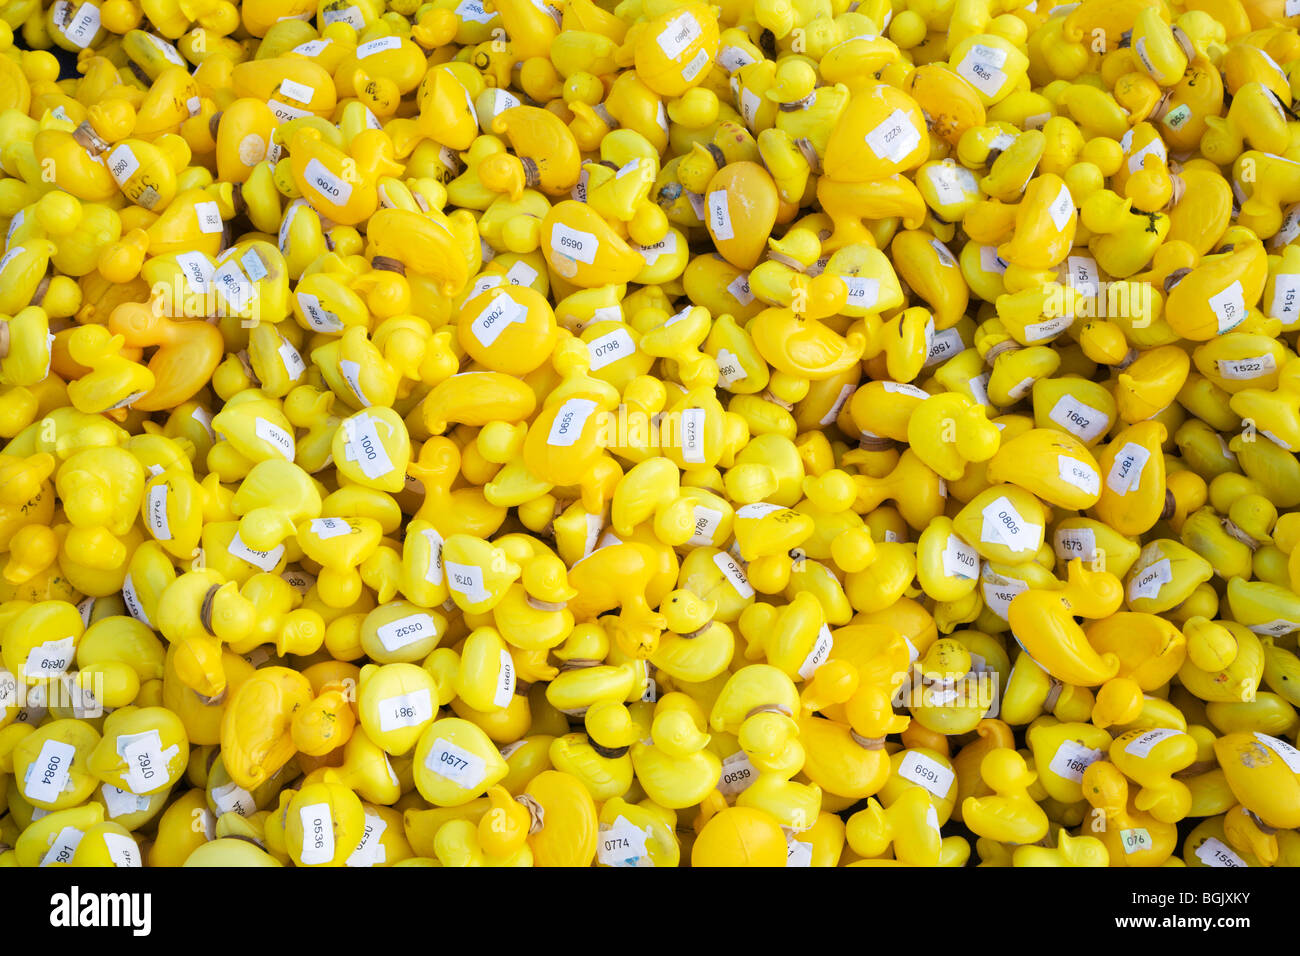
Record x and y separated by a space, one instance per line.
649 433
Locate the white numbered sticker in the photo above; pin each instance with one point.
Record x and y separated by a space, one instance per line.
621 844
1286 297
918 768
894 138
364 447
405 631
960 559
146 760
1135 840
1289 755
209 217
730 370
1147 582
1145 742
720 215
664 247
706 526
1076 543
1229 306
326 528
1079 419
490 323
1072 759
433 573
48 775
1062 208
378 46
864 292
370 851
569 422
1080 474
943 346
692 436
293 363
1247 368
999 591
505 680
1214 852
609 348
405 710
122 163
83 26
820 653
1126 470
120 803
737 774
521 273
64 846
232 798
50 659
276 436
739 289
574 243
156 512
467 581
981 68
296 91
317 833
734 574
460 766
1003 524
333 188
680 33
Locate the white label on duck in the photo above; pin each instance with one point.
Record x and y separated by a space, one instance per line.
960 559
609 348
232 798
1003 524
622 844
363 446
405 631
405 710
1079 419
698 62
945 344
569 422
1062 208
946 258
737 774
1126 470
952 183
120 803
1147 740
706 526
894 138
47 775
1076 543
929 773
332 188
692 423
1047 329
730 370
378 46
63 847
50 659
312 48
1080 474
132 601
370 850
1229 306
720 215
467 581
275 436
326 528
991 262
521 273
1247 368
317 833
837 406
574 243
460 766
734 574
492 321
263 560
999 591
1276 627
664 247
1135 840
197 270
209 217
83 26
293 363
1289 755
680 32
155 510
234 286
433 573
1214 852
1286 297
505 680
1147 582
146 760
473 12
981 68
122 163
864 292
1072 759
739 289
820 653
